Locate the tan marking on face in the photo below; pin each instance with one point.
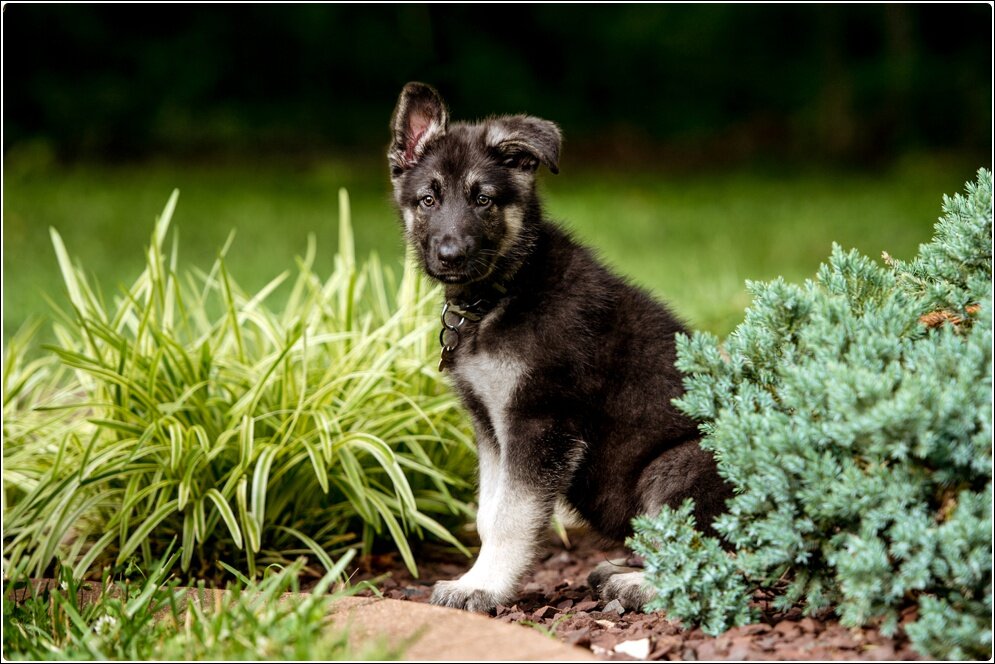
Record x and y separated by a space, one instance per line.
524 180
513 218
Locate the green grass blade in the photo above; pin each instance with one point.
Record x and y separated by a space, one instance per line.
142 531
319 552
224 509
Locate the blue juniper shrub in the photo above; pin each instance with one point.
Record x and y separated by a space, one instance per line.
853 414
705 586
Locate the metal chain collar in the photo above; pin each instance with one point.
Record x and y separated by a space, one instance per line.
449 335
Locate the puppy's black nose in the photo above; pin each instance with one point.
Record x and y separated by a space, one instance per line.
451 254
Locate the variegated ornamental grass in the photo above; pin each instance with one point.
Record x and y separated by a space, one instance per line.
190 409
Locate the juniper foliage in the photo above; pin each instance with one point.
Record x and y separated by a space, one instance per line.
853 414
705 587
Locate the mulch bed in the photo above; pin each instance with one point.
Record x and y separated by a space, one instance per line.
555 599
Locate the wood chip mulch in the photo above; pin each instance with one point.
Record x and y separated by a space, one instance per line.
556 600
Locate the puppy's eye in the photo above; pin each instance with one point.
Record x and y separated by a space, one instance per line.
483 201
428 201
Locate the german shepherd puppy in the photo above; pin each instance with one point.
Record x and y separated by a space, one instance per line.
566 369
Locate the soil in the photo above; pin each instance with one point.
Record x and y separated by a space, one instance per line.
556 600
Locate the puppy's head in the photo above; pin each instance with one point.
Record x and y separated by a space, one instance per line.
466 192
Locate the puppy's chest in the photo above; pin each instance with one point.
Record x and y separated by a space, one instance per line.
492 378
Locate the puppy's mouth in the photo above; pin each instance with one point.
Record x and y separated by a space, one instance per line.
472 271
458 277
452 278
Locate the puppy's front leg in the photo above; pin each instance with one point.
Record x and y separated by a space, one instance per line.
515 508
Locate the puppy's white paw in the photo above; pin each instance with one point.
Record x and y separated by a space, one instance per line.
458 596
612 579
604 571
627 587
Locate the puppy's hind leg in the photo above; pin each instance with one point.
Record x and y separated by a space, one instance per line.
613 579
685 470
605 570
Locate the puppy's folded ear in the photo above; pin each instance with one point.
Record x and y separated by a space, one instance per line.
419 118
523 141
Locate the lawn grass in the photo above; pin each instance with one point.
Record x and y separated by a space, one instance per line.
692 239
150 618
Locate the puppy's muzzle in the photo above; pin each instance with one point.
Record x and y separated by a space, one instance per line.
451 253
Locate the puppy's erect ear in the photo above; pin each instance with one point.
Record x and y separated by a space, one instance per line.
419 118
524 141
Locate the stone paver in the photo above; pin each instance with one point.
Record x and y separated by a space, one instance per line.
450 635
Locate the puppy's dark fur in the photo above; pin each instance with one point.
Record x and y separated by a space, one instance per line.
569 372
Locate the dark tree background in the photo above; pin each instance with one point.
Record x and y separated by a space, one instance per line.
857 84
